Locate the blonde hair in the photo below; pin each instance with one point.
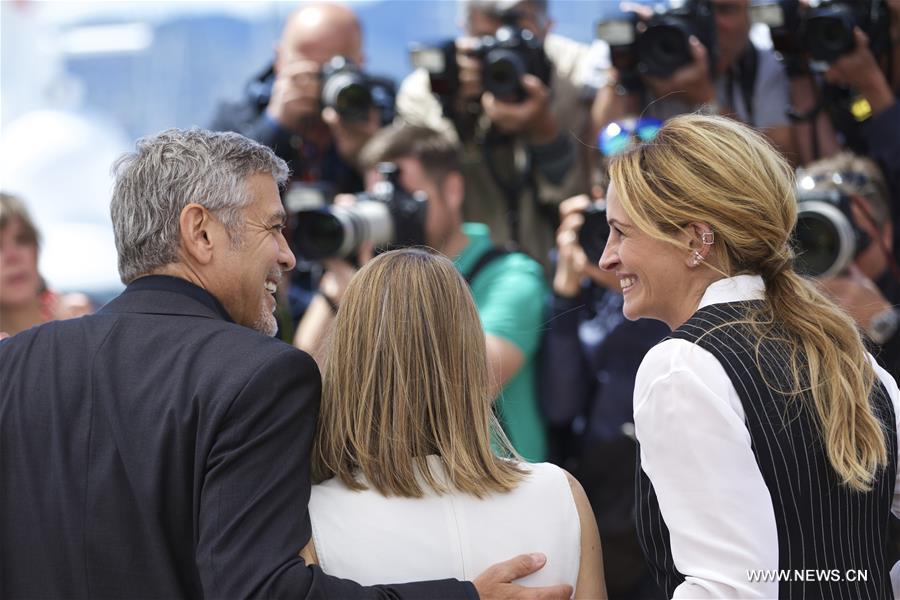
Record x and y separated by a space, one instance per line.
720 172
405 376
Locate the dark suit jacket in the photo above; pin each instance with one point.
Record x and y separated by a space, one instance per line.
157 450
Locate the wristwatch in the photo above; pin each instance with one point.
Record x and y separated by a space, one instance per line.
884 325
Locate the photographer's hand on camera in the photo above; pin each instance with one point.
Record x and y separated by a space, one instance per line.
692 82
295 94
350 137
571 258
531 116
860 71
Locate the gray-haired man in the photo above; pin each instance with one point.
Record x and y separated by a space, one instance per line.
159 447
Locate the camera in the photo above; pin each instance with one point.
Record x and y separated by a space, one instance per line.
389 216
661 45
826 238
353 93
508 55
505 56
825 31
594 231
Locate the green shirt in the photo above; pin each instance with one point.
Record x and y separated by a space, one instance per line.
509 294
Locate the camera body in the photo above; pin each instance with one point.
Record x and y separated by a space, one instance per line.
508 55
389 216
505 56
354 93
594 231
826 238
661 45
824 32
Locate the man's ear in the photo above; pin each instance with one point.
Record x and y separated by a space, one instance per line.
195 229
453 190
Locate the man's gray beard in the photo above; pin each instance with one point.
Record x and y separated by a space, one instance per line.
266 323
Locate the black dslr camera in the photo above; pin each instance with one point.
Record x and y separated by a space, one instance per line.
388 217
506 56
353 93
825 32
594 231
661 45
826 238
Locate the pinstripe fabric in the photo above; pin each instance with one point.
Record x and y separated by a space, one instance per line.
821 524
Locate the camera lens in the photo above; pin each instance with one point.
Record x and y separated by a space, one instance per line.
503 70
348 93
663 48
338 231
828 33
319 234
824 239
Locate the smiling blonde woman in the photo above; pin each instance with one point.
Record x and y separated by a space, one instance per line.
768 435
409 487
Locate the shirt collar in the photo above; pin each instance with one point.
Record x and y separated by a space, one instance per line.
739 288
177 285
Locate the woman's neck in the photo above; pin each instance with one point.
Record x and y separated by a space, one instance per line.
14 319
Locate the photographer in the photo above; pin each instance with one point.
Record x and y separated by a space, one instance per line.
740 80
856 105
590 360
521 155
507 286
870 287
282 108
285 109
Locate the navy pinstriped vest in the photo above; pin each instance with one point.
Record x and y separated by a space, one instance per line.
821 524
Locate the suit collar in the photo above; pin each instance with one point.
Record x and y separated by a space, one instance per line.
162 294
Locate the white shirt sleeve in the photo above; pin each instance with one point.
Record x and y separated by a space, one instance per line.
894 394
695 448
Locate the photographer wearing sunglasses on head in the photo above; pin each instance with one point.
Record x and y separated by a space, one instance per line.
844 237
697 54
843 59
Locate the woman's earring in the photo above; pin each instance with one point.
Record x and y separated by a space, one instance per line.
697 259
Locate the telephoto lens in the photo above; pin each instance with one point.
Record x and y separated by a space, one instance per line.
388 216
826 239
338 231
346 89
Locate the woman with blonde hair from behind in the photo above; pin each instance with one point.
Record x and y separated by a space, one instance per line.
768 435
408 487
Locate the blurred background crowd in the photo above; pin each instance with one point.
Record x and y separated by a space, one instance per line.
479 128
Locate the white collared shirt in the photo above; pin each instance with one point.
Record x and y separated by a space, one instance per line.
695 448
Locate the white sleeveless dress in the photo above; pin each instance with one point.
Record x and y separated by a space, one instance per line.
373 539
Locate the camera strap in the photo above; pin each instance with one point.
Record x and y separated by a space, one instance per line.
744 70
492 253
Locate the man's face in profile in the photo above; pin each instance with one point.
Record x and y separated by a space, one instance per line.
249 269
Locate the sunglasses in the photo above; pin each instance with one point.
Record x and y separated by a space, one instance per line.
807 182
621 135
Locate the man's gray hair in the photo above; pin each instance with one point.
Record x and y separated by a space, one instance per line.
167 172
